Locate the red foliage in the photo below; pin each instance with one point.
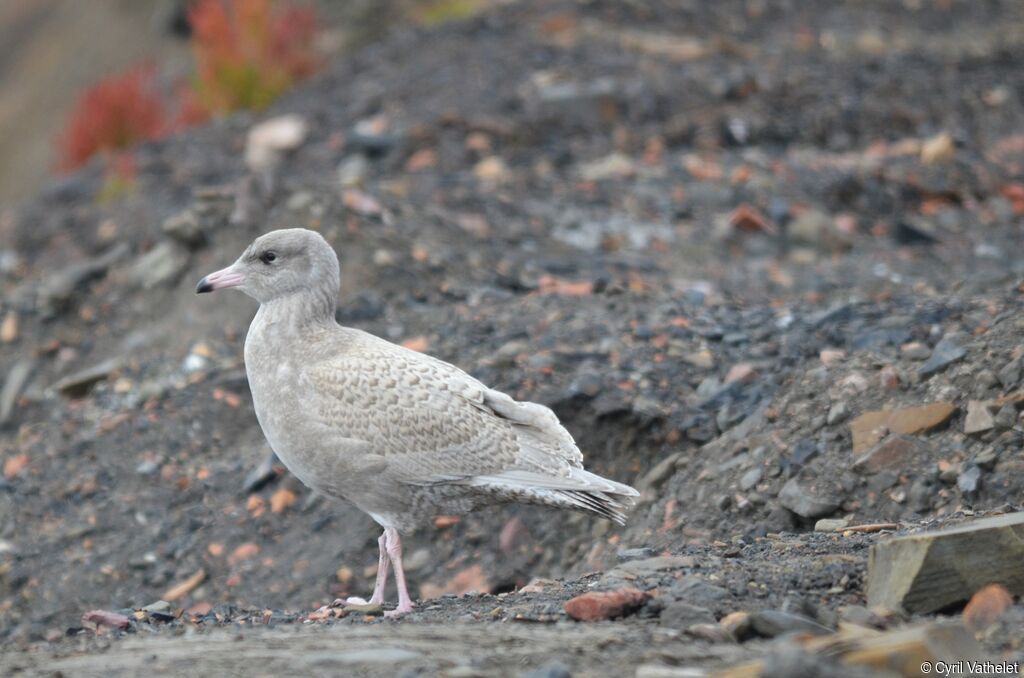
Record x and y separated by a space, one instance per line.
247 53
114 114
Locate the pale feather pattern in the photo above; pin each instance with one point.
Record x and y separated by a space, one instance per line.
402 435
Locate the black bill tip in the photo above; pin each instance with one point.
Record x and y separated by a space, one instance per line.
204 286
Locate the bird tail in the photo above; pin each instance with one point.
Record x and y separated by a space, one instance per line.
580 490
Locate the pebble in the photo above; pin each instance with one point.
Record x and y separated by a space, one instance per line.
1009 374
751 478
979 417
915 350
838 413
639 553
806 502
772 623
1006 417
162 265
352 170
9 327
269 140
969 480
946 352
185 228
78 384
16 379
553 670
831 524
595 606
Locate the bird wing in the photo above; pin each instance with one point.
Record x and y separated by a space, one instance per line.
433 423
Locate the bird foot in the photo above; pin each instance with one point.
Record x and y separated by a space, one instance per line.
398 612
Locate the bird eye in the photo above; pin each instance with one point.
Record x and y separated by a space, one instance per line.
268 256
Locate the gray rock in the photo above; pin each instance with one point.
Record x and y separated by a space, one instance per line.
694 590
969 480
656 564
837 413
807 502
185 228
162 265
79 384
979 417
946 352
54 293
1006 417
640 553
751 478
987 458
682 615
553 670
159 607
352 170
16 379
772 623
1009 374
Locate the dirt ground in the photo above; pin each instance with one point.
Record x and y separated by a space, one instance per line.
711 236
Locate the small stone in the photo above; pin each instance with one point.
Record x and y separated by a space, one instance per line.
915 350
979 417
492 170
159 607
738 624
701 359
1006 417
969 480
271 139
808 501
162 265
751 478
554 670
106 618
986 607
831 524
1009 374
741 373
352 170
299 201
595 606
772 623
946 352
613 166
987 458
682 615
838 413
830 357
656 564
185 228
894 453
889 378
16 379
78 384
870 427
9 327
639 553
938 149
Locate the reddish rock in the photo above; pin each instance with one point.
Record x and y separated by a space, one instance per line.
596 606
889 378
870 427
743 373
986 607
106 618
893 453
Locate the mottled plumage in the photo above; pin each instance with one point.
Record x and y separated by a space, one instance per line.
402 435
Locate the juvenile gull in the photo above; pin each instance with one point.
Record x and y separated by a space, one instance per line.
402 435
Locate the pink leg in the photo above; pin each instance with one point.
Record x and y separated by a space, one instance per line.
394 548
382 577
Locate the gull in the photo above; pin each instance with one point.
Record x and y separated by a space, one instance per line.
400 434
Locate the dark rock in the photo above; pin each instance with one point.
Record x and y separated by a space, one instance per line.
16 379
1009 374
78 385
681 615
809 501
772 623
946 352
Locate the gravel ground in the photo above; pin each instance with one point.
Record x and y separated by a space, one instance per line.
712 236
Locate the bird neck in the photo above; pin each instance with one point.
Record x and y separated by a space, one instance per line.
297 312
